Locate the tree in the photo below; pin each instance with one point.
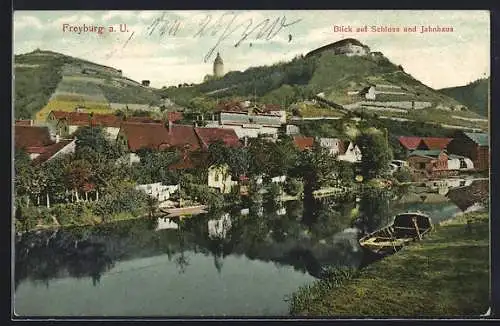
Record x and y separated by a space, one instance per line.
375 151
23 174
77 174
92 137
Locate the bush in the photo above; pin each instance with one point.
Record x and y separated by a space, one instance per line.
294 187
403 175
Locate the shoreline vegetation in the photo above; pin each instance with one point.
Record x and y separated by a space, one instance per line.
445 274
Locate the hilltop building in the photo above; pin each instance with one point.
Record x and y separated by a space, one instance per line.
218 66
348 47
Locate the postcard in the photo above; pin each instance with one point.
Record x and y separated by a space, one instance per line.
285 163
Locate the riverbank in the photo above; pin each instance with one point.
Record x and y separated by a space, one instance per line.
446 274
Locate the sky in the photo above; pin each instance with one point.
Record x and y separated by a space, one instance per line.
172 47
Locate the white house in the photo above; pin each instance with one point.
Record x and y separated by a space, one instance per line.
158 190
334 145
371 93
352 154
292 130
461 163
219 177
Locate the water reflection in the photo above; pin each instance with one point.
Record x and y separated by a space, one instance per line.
306 235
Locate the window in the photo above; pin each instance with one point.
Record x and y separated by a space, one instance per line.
463 165
216 177
421 165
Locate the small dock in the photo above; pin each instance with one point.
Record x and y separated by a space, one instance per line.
184 211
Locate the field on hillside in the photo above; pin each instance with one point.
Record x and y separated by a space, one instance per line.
68 106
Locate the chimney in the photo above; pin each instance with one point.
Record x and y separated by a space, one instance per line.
170 125
31 122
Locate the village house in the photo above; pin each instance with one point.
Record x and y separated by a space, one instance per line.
345 150
292 130
429 163
219 177
334 145
67 123
248 121
186 139
352 154
303 143
410 143
40 144
472 145
158 190
430 143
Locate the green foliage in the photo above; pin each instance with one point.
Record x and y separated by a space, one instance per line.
376 153
403 174
410 282
334 277
154 167
33 86
294 186
473 95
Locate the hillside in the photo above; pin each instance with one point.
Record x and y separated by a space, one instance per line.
46 80
366 83
474 95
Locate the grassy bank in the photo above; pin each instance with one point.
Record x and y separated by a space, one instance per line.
446 274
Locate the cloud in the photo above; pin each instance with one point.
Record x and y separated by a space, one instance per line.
437 59
27 22
72 20
118 14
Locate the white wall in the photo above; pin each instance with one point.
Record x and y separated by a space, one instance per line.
352 154
220 178
158 191
68 149
111 132
250 131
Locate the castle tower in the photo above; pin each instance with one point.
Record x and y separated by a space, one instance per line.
218 66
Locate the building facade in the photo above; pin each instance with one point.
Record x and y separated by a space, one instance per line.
474 146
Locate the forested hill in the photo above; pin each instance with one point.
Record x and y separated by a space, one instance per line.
46 80
332 75
474 95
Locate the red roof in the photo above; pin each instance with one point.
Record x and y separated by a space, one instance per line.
410 142
24 122
141 120
209 136
157 135
84 118
174 116
31 136
434 143
303 143
51 150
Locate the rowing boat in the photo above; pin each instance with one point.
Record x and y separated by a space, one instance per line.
405 228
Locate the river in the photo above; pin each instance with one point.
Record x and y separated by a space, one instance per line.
215 264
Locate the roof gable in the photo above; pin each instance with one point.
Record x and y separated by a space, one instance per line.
209 136
434 143
480 139
303 142
31 136
409 142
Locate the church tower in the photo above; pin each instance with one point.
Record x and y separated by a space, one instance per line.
218 66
